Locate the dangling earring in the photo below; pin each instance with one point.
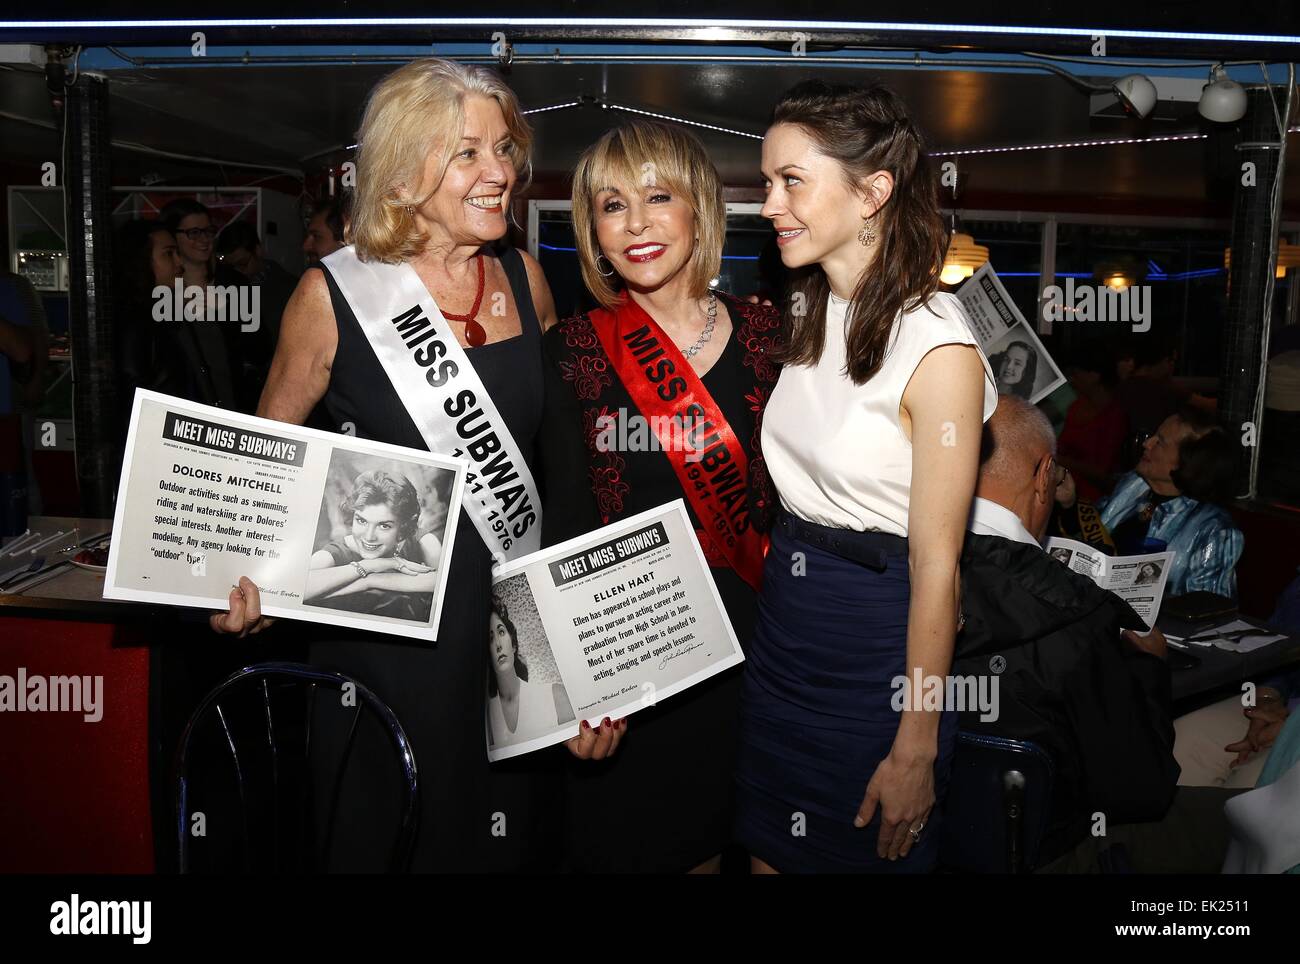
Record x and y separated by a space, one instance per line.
604 274
866 236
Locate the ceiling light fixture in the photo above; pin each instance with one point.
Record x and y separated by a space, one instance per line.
1223 100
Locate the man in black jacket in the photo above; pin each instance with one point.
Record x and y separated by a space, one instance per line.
1079 680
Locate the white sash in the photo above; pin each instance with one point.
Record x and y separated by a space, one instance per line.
445 398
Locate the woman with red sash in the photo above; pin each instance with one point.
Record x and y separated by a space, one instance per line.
669 379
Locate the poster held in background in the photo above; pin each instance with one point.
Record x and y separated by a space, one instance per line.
1020 363
601 626
331 528
1138 580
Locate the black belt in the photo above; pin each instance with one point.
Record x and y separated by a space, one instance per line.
871 549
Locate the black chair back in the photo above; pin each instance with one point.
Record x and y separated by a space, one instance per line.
998 805
263 715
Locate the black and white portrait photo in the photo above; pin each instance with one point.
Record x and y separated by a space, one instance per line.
1062 555
1148 574
1021 366
379 537
526 698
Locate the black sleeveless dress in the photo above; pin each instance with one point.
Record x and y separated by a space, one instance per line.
474 816
663 803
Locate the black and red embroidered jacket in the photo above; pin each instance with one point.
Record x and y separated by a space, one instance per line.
584 387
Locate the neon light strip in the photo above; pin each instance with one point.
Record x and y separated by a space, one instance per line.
825 25
1053 146
1176 276
1039 274
543 110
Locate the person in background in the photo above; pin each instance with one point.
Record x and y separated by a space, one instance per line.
239 247
1079 680
174 357
1211 748
1095 425
1148 395
1095 696
1173 500
190 222
145 257
325 230
1264 824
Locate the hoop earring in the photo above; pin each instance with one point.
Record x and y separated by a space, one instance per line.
866 236
604 274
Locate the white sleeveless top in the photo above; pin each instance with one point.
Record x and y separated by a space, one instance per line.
536 714
836 451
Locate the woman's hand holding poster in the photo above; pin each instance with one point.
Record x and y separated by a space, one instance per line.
332 529
602 625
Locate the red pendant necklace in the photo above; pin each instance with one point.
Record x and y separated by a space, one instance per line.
474 332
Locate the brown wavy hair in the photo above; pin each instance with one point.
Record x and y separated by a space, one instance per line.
866 129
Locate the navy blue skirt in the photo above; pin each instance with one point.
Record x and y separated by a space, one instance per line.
816 714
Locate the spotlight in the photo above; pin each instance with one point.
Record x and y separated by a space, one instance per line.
1136 93
1223 100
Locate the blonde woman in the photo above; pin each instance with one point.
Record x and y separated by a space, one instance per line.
650 223
421 328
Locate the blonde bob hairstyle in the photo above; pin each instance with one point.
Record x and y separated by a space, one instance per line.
415 110
640 154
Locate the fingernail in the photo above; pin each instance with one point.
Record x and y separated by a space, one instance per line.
605 724
586 725
622 724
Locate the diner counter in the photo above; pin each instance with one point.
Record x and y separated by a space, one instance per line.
58 587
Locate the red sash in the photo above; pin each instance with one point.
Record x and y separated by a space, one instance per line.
664 387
